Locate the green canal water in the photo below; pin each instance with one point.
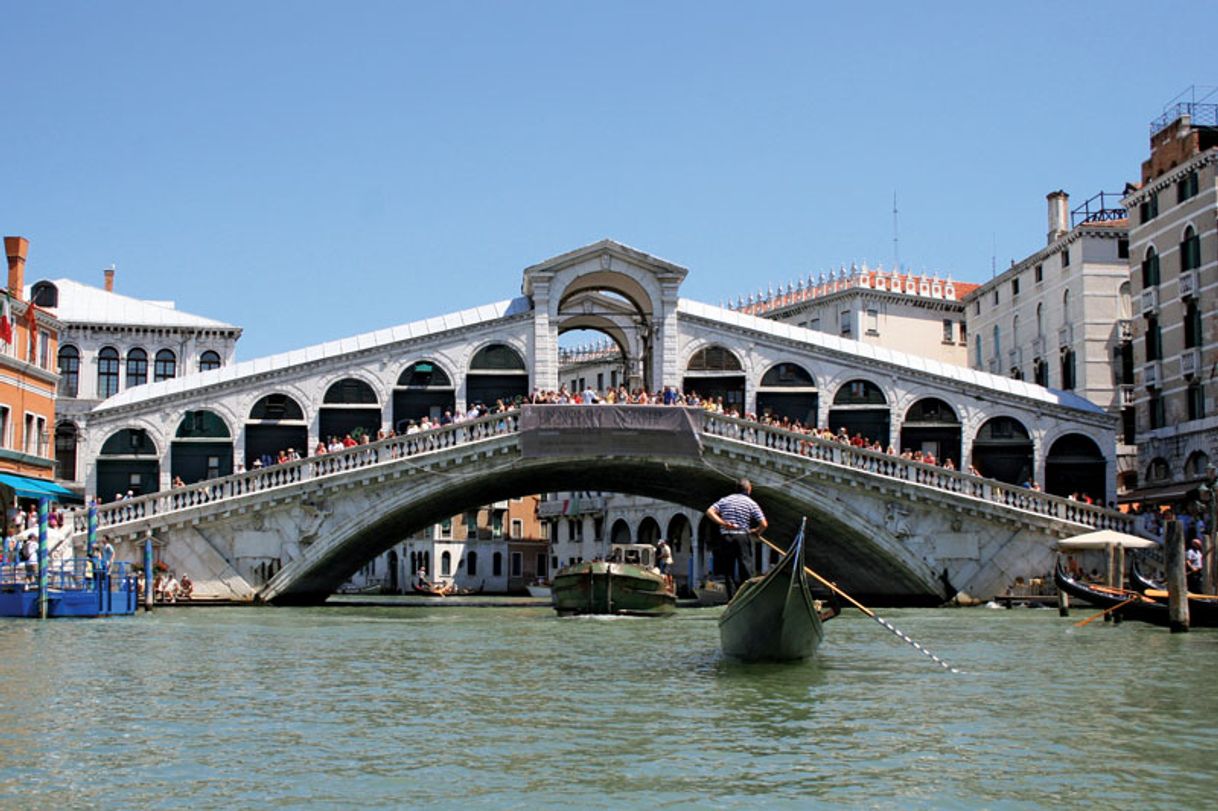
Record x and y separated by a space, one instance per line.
509 707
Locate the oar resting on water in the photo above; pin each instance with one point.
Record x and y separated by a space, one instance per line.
887 625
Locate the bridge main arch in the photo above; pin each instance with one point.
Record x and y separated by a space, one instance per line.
845 543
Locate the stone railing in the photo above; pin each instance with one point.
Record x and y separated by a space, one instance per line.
388 452
894 467
382 452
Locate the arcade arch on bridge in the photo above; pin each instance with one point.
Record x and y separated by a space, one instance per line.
861 408
715 372
788 390
424 389
276 422
202 448
620 532
649 531
496 372
350 407
1003 450
128 463
1075 465
931 426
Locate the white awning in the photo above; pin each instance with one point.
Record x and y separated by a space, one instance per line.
1104 538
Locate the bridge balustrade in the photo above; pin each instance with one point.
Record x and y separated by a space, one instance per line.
780 440
385 451
879 463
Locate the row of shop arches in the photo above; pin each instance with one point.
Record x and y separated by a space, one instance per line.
203 443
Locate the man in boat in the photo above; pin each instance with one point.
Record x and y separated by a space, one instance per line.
739 518
1193 566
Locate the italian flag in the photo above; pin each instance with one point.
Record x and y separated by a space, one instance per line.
6 320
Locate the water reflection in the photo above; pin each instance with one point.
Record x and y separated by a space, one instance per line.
492 707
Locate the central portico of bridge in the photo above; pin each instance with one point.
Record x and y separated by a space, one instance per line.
212 427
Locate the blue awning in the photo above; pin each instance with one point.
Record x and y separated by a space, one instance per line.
27 487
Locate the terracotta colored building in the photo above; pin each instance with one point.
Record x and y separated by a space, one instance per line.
28 379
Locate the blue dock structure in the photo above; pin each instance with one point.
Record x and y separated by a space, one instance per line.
73 589
40 588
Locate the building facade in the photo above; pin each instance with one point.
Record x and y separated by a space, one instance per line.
1060 317
1174 262
110 343
920 314
497 548
28 379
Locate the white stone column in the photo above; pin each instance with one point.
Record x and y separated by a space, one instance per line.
545 341
665 342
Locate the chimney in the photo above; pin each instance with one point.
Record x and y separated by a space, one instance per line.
1059 215
16 249
109 274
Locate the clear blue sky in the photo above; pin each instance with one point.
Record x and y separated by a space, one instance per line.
311 171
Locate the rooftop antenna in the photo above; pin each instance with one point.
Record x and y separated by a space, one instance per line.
896 242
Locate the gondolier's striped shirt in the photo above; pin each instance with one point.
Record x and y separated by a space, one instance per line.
740 510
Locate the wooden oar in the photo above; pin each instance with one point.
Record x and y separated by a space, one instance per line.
885 623
1081 623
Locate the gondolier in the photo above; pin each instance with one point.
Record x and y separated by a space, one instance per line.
739 518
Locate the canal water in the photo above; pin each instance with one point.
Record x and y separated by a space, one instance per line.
510 707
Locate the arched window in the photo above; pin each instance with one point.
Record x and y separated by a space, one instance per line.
1150 268
471 563
1040 320
497 564
787 375
1124 301
1015 332
69 372
276 407
860 392
1066 308
352 391
129 442
446 564
209 360
714 359
165 367
1196 464
45 294
422 374
997 342
1190 250
137 367
107 372
497 357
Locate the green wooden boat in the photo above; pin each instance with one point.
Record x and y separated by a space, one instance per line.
626 583
774 617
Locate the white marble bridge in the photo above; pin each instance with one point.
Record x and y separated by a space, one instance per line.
886 528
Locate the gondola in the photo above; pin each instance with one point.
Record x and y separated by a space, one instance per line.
1202 608
774 617
1133 604
1139 580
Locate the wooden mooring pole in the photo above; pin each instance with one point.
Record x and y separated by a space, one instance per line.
148 573
1177 585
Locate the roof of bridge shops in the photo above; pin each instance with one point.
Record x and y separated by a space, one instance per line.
502 309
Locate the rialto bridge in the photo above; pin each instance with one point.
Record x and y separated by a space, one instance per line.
884 529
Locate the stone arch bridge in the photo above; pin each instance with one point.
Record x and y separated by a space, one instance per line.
887 529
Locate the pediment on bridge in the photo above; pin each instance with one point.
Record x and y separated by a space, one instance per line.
603 257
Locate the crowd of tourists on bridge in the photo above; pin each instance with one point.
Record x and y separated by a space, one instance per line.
330 455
